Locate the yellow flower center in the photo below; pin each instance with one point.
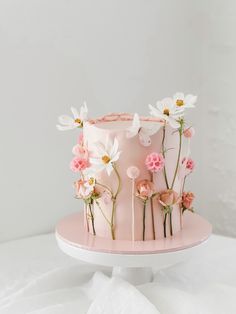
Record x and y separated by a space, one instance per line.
179 102
91 181
78 121
166 111
106 159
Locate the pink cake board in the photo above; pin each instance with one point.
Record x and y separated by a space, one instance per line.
132 260
71 230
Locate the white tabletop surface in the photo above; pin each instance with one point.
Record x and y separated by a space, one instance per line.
37 278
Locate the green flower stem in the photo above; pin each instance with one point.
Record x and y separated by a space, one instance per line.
164 224
179 153
119 181
105 187
99 206
152 212
86 216
92 218
112 220
114 202
163 153
184 184
171 228
144 218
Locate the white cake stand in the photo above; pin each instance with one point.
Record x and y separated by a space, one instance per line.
132 261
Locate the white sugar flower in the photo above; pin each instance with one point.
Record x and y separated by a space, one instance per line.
167 111
70 123
144 132
106 155
90 184
183 102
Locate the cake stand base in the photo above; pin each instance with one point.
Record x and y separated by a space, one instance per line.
135 275
132 261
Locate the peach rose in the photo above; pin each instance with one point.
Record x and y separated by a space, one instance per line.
168 198
145 189
187 199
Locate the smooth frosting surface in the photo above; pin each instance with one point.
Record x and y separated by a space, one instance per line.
133 153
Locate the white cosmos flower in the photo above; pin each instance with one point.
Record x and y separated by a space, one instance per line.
167 111
89 184
89 178
70 123
106 155
183 102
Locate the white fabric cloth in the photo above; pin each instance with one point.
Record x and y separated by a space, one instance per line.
36 278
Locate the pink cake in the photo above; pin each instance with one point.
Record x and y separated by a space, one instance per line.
132 170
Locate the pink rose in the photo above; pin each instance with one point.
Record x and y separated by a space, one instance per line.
155 162
168 198
78 164
145 189
187 199
188 163
189 132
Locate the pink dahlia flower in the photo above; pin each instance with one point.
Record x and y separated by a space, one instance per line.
78 164
188 163
155 162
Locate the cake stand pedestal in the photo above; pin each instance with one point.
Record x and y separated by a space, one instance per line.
133 261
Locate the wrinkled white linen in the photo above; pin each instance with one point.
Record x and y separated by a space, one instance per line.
36 278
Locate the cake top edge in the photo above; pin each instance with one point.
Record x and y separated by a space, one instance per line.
112 120
169 110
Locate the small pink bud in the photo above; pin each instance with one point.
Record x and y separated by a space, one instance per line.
189 132
188 163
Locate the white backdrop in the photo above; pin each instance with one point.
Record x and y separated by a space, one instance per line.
119 56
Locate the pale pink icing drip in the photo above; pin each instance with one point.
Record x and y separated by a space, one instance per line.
111 117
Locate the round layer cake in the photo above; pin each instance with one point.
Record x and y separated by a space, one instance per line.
131 171
123 218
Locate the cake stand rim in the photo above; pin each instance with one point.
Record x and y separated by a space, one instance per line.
130 250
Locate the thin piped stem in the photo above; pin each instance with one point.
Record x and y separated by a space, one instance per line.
163 153
114 202
171 228
92 219
164 224
144 218
178 158
99 206
152 212
105 187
